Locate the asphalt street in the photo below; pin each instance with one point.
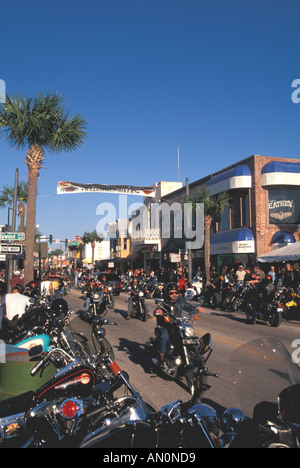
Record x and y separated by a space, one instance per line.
229 332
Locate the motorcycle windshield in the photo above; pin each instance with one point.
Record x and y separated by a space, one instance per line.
262 369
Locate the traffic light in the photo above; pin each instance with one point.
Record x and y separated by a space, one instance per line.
66 243
50 239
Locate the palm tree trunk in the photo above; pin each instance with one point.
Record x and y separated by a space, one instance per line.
207 226
30 225
93 256
34 159
21 209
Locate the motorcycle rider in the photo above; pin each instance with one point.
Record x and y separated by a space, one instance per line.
133 291
176 305
92 287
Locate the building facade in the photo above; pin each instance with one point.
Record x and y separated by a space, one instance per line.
264 209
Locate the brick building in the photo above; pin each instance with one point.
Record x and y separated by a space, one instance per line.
264 210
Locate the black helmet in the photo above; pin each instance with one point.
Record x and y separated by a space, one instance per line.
19 288
170 287
59 306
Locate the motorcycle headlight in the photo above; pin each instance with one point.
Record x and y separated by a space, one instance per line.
189 332
96 296
141 294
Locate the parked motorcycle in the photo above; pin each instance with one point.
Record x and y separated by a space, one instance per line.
185 356
129 422
242 297
195 289
60 398
291 301
267 384
265 305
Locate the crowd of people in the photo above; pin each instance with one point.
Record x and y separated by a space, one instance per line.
57 282
282 276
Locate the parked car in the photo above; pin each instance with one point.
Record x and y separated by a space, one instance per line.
113 279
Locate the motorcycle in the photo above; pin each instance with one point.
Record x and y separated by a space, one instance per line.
61 405
130 422
155 289
242 297
138 306
291 301
195 289
265 306
99 302
185 352
46 324
267 384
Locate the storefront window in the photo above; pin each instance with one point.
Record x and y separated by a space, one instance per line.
284 206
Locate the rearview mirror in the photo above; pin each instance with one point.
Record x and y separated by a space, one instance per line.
205 344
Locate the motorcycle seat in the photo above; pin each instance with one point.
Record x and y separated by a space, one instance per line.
15 405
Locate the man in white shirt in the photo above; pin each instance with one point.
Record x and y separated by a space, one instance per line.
16 303
47 287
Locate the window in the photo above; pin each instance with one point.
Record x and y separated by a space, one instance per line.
284 206
225 220
245 210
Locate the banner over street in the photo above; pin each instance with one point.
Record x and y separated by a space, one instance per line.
74 187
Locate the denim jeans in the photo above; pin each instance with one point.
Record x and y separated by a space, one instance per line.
163 336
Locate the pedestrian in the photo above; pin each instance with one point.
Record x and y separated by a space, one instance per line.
240 275
16 303
16 279
289 277
47 287
272 273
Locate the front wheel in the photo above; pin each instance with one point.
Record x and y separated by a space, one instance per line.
250 314
144 312
196 381
275 319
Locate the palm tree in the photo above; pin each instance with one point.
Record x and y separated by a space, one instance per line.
214 206
92 238
75 249
38 124
7 198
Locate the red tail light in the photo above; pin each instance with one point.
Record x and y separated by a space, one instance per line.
69 409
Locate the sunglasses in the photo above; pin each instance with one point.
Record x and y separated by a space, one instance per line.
173 293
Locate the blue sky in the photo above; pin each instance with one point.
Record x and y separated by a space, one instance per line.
210 77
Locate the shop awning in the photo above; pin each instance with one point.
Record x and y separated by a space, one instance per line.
282 239
237 178
290 253
232 242
280 173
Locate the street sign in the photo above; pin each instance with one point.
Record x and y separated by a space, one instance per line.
12 236
10 248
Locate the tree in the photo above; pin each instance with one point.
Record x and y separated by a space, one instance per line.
214 206
7 198
38 124
75 249
92 238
